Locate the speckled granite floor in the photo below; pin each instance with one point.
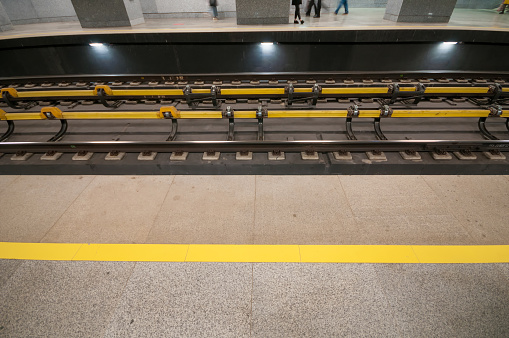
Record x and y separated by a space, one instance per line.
407 210
100 299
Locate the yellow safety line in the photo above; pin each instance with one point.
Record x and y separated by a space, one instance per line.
250 91
441 113
200 114
257 253
457 90
306 113
248 114
246 91
24 116
356 90
52 93
245 114
147 92
369 113
109 115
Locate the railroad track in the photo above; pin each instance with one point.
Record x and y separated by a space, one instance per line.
347 100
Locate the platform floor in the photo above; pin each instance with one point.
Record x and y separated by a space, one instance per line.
359 18
112 299
371 210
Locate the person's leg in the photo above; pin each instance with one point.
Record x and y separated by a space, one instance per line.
214 11
346 6
339 6
318 7
297 12
308 7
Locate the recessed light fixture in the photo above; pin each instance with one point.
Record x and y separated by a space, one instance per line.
450 43
267 43
96 44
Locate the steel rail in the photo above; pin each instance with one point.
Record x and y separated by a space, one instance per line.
257 146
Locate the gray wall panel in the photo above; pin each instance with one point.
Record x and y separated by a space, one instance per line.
5 22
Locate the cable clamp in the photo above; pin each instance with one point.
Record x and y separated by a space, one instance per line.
353 111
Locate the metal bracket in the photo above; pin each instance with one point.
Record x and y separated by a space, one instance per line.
259 115
496 110
214 91
353 111
7 98
419 92
10 130
229 113
289 90
485 133
63 129
496 90
378 130
385 111
394 90
187 94
101 94
173 131
316 92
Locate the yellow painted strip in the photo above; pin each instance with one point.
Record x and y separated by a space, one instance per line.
257 253
110 115
357 254
366 90
407 89
39 251
130 252
462 254
306 113
147 92
505 113
457 90
441 113
243 253
369 113
53 93
24 116
201 114
259 91
245 114
303 90
201 91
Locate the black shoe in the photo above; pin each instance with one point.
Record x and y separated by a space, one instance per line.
301 22
500 12
345 13
308 14
295 21
316 16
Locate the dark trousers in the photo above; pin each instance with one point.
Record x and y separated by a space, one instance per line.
317 5
297 12
503 7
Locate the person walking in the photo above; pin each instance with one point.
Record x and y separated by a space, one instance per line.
503 7
297 4
342 3
213 6
317 5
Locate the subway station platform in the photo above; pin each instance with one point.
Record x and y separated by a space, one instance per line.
253 255
358 19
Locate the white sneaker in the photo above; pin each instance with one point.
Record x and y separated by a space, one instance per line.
215 19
